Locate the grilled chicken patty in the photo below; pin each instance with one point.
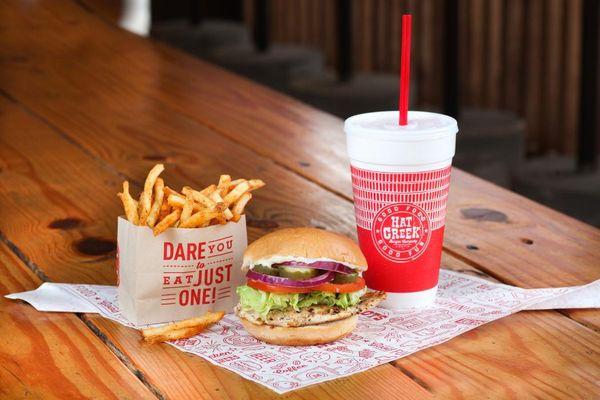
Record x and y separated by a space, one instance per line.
313 315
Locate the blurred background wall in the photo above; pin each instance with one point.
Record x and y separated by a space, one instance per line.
517 55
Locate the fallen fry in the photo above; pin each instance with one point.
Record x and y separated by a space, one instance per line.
199 218
240 204
130 205
167 221
157 203
146 197
181 330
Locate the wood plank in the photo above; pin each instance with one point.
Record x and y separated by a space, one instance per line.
53 355
562 251
525 349
110 10
517 240
47 212
37 164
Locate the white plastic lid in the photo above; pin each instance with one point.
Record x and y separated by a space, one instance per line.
377 138
384 125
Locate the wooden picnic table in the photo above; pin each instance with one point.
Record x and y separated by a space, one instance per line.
84 104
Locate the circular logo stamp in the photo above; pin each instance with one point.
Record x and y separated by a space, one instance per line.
401 232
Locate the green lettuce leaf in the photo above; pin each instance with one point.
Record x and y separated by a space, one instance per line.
263 302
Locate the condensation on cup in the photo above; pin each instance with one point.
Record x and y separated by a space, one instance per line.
400 181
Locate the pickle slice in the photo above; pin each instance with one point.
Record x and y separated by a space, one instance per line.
345 278
297 274
263 269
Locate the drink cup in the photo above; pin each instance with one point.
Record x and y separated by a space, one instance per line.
400 181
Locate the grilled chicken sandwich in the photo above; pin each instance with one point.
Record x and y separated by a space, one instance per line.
304 287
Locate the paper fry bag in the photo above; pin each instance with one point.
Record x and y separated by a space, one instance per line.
179 274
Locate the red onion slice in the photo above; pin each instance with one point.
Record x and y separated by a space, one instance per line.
279 281
324 265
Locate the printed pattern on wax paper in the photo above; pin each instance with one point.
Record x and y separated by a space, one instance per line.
464 303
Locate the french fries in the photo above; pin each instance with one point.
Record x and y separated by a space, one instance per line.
240 204
161 207
223 186
216 197
182 329
199 197
167 222
129 204
146 197
242 188
188 207
199 218
159 193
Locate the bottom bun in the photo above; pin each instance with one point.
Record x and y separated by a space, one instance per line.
302 335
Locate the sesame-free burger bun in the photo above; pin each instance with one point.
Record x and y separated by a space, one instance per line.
304 244
303 335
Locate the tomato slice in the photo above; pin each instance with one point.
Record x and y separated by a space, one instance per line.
324 287
342 287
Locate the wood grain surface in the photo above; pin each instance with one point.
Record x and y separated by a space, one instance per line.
84 105
53 355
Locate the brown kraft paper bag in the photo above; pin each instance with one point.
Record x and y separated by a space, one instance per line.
179 274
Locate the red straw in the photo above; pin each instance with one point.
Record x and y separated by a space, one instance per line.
405 69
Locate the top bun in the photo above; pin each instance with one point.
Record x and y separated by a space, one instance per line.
304 245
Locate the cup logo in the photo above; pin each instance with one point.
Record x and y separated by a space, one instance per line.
401 232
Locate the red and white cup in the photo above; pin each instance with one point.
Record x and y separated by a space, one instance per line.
400 181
